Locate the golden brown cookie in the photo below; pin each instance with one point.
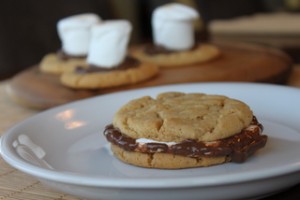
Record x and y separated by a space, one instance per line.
51 63
175 116
200 54
180 130
113 78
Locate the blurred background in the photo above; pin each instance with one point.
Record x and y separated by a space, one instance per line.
28 27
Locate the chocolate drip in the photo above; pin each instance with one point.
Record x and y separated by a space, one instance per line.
156 147
116 137
238 147
128 63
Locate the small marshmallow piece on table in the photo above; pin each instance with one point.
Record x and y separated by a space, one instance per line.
172 26
74 33
109 42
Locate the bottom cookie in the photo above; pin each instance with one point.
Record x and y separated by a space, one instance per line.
109 78
200 54
165 160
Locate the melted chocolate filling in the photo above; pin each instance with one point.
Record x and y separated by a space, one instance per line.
152 50
64 56
238 147
128 63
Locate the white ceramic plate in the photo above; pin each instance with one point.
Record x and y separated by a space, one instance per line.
64 147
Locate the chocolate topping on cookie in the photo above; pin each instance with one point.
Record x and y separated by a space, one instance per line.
64 56
151 49
128 63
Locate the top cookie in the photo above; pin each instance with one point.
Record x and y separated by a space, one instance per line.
175 116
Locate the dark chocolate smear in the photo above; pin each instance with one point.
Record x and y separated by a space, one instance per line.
128 63
238 147
64 56
152 49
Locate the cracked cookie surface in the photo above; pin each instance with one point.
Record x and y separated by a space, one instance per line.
175 116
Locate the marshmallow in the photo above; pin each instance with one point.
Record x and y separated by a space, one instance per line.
172 26
109 43
74 33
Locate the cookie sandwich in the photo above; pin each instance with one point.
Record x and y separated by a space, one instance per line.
174 43
74 33
183 130
107 62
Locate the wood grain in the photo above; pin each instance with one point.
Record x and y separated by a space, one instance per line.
237 63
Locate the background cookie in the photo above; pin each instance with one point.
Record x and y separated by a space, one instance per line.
110 78
51 63
174 117
201 53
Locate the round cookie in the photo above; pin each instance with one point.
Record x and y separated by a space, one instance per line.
51 63
201 53
174 117
183 130
111 78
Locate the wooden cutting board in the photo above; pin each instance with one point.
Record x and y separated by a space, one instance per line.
238 63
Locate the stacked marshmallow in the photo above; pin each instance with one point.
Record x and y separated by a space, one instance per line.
104 42
172 26
74 33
